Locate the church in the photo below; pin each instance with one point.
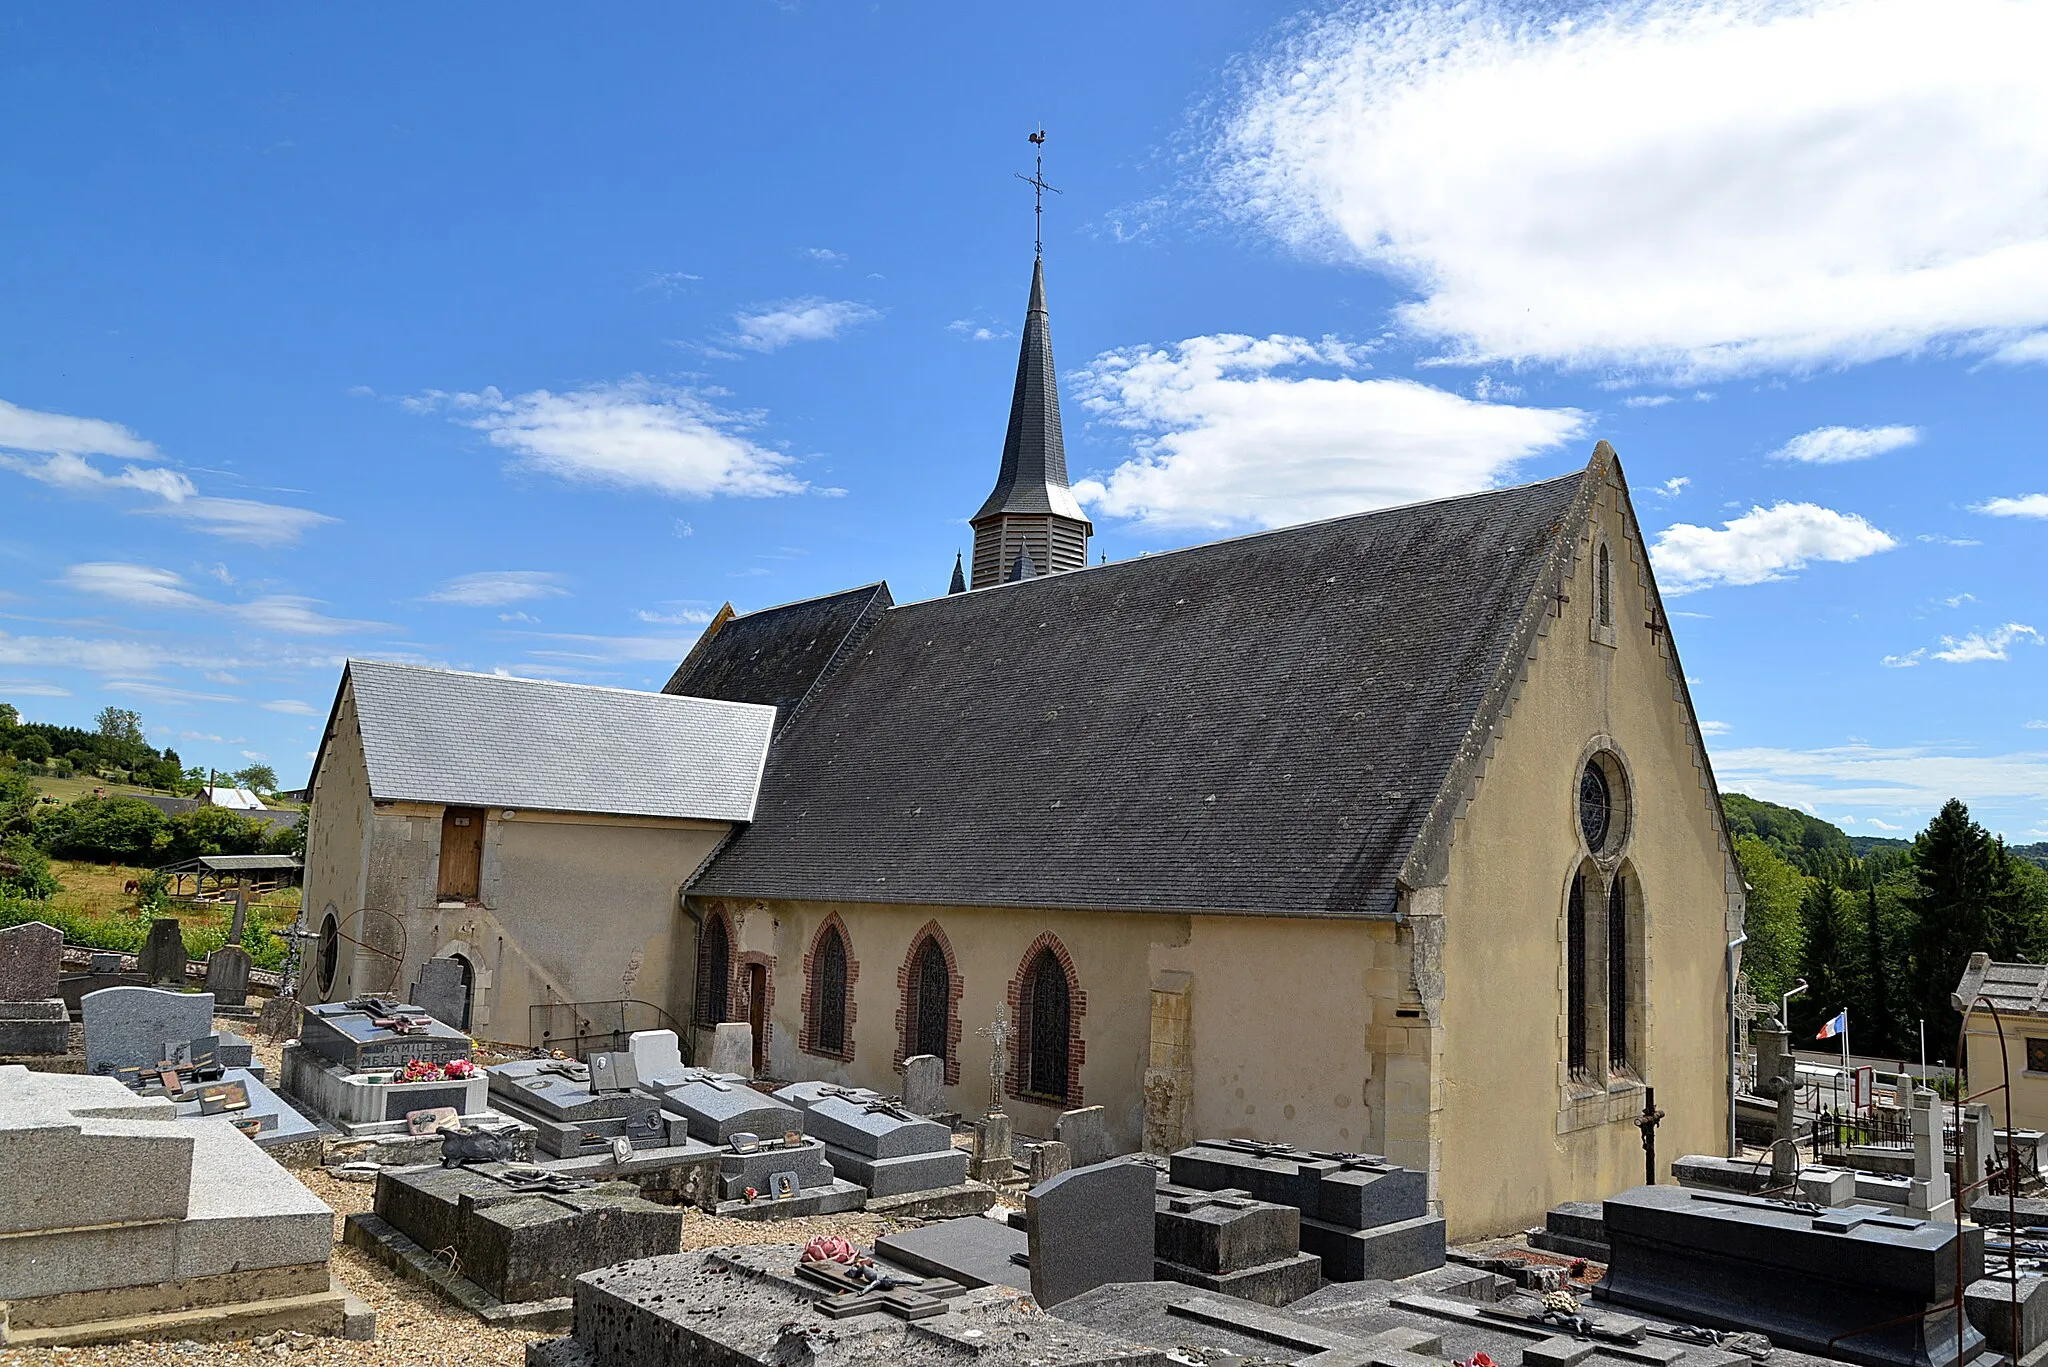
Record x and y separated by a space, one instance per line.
1390 833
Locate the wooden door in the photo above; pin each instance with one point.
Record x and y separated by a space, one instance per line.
757 1013
462 853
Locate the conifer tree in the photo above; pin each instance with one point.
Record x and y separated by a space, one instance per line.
1956 870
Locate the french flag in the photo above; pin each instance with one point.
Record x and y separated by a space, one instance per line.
1838 1026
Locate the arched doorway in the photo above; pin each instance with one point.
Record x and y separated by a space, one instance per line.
468 989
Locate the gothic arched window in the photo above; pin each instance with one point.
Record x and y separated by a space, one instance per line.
714 972
1605 590
932 988
330 952
1617 974
1575 978
1046 1029
828 992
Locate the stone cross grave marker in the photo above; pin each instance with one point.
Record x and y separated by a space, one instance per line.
31 957
241 920
1089 1227
924 1084
999 1032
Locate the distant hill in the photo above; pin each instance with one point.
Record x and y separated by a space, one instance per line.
1811 844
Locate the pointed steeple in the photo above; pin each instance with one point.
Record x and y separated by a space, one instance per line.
1031 501
959 584
1022 568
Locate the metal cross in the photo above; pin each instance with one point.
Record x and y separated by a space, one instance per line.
1039 187
999 1033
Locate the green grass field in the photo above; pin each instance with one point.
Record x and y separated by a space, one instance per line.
71 789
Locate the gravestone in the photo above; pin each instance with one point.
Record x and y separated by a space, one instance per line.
657 1056
732 1048
1086 1134
105 961
163 958
349 1033
31 959
612 1071
1928 1193
878 1144
441 992
924 1084
992 1149
280 1019
1226 1241
1990 1302
125 1027
241 918
1049 1160
227 975
1089 1227
39 1028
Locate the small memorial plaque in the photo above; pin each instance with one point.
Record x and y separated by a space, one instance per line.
622 1149
784 1186
431 1120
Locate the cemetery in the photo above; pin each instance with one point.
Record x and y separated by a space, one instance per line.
569 1199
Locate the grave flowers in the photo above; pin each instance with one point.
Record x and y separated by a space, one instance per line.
828 1248
458 1069
419 1070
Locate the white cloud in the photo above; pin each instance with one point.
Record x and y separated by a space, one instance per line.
1880 824
31 688
810 319
1486 389
825 256
976 332
164 693
683 618
1673 487
2037 725
1956 600
1761 545
1907 661
1714 728
2030 350
1833 445
1226 438
1888 778
498 588
52 448
2026 505
1647 400
1694 186
147 586
1986 645
632 435
290 707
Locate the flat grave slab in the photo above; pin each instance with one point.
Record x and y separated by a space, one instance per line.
973 1251
717 1109
278 1124
744 1306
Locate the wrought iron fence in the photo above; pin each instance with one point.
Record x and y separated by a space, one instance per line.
1837 1132
579 1028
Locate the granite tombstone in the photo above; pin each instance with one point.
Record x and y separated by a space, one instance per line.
924 1084
125 1027
1088 1227
227 975
163 959
31 959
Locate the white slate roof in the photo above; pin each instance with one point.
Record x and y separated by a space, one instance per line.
485 740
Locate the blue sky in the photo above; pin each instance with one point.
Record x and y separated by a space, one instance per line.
511 338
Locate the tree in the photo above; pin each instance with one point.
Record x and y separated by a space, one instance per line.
121 726
17 802
1830 963
1880 1034
1956 871
126 829
10 717
1776 890
31 748
259 778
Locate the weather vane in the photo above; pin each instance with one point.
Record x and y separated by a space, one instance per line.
1037 183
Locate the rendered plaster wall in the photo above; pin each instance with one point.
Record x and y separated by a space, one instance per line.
337 833
2029 1090
1269 1028
1516 1134
572 908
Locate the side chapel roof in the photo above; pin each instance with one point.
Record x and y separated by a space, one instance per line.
778 655
1256 725
486 740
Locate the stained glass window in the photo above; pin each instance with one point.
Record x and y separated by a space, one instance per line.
1617 974
1596 806
1047 1030
828 1031
934 996
1575 993
714 973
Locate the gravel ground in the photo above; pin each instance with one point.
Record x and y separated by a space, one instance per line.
415 1327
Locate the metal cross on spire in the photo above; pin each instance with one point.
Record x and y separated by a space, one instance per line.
1037 183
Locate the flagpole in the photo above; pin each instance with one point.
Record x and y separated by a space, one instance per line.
1845 1052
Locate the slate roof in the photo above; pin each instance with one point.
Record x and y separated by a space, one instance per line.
1033 475
1256 725
778 655
483 740
2015 989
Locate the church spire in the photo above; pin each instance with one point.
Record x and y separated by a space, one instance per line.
959 584
1031 506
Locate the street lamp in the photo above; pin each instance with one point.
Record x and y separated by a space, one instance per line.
1785 1003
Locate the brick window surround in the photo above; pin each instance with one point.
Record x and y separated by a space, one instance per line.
906 999
809 1043
714 921
1020 1049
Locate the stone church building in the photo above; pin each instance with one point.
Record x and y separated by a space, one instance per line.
1390 833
